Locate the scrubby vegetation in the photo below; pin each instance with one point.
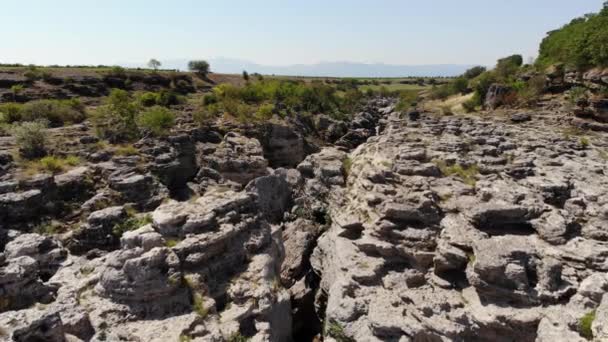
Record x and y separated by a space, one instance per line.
123 118
31 138
156 120
263 99
55 112
51 164
581 44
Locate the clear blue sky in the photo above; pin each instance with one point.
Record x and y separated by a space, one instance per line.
280 32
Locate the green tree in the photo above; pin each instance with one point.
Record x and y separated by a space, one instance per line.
116 120
245 75
474 72
508 66
154 64
201 67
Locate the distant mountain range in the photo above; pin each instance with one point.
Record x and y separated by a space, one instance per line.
323 69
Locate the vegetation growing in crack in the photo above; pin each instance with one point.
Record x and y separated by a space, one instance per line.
335 330
585 323
468 173
133 222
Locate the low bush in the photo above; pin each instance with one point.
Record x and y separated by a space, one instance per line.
474 72
31 138
56 112
156 120
506 68
168 98
472 104
243 102
11 112
265 111
148 99
116 120
407 99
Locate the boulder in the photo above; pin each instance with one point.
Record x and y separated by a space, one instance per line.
283 146
496 95
48 328
237 158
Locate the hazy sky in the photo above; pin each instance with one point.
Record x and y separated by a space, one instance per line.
279 32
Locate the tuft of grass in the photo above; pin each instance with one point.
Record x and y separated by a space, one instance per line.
171 242
335 330
50 164
48 228
238 337
198 305
184 338
584 325
466 173
131 223
347 165
126 150
471 258
572 131
584 141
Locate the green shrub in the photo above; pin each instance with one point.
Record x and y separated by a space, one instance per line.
156 120
441 92
56 112
205 116
117 71
209 99
265 111
481 84
148 99
295 97
16 90
507 67
116 120
351 101
11 112
31 138
460 85
407 99
474 72
472 104
168 98
32 74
